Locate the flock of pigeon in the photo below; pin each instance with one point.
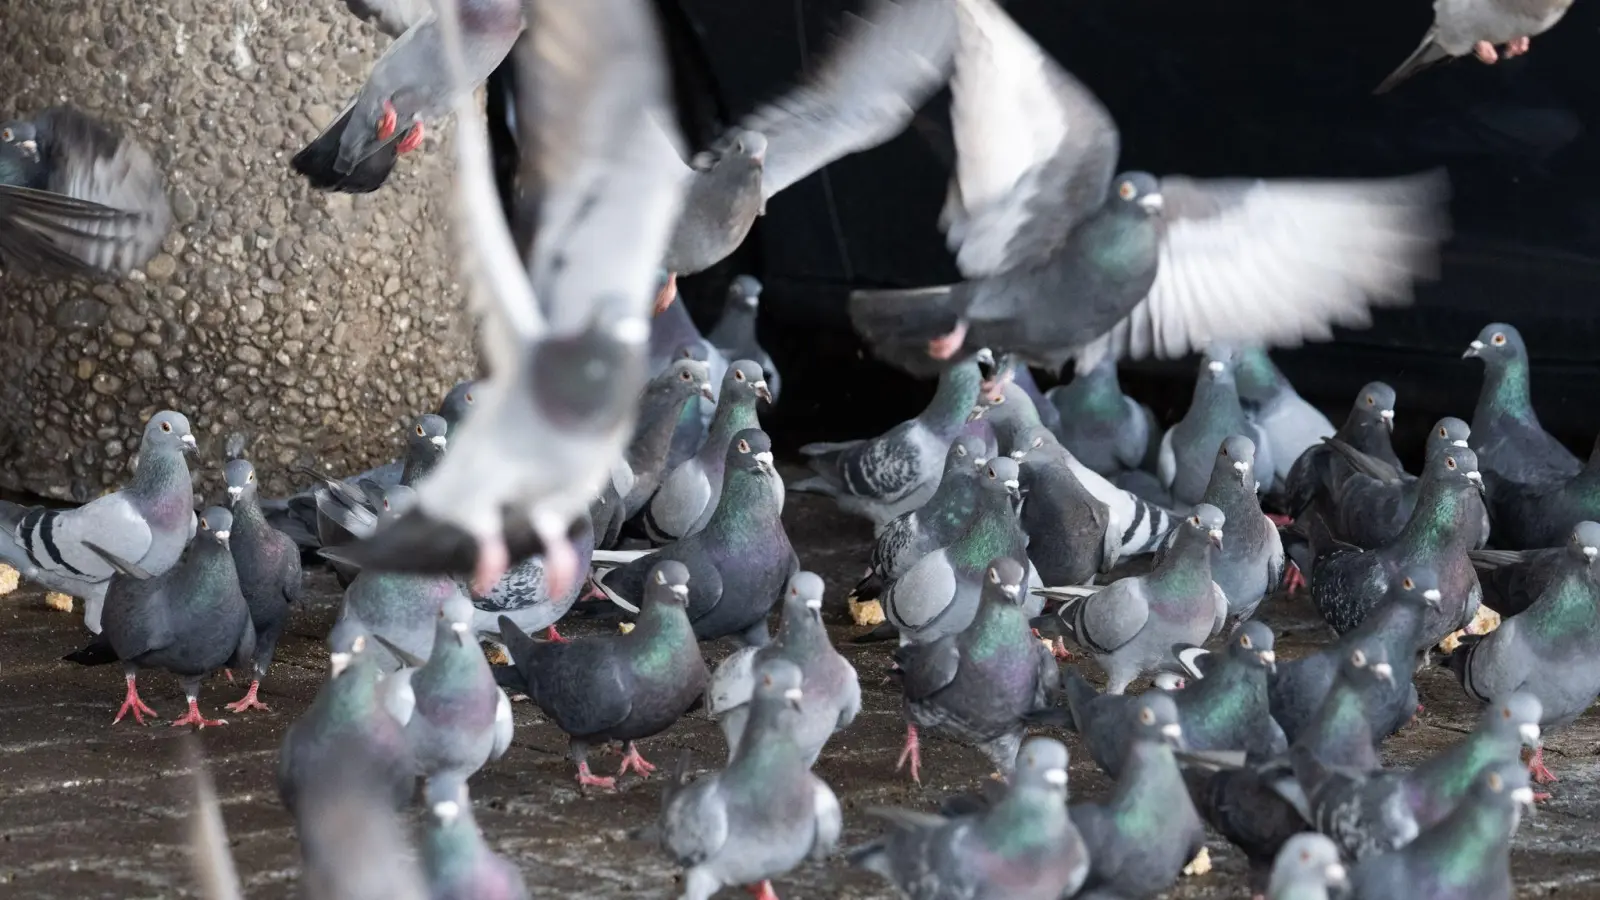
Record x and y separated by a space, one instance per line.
613 448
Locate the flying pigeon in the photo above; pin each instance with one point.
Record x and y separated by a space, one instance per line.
1478 27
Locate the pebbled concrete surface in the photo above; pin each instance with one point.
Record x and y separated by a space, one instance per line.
88 810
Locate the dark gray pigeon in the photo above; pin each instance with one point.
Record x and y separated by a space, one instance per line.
192 620
735 332
832 691
1511 445
980 684
1188 449
1109 432
1270 402
268 563
1317 473
688 494
1307 868
1543 515
1250 563
1513 579
1135 527
1063 260
1071 536
1130 626
1375 500
426 442
765 813
523 594
400 607
615 687
458 863
1023 848
880 478
147 523
1465 857
1478 27
78 197
1344 732
740 561
668 396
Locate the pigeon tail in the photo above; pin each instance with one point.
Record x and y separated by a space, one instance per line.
123 567
1427 55
316 162
1149 529
97 652
902 325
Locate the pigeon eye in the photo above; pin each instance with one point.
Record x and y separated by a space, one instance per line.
683 376
1505 713
1497 340
205 525
994 576
998 399
738 375
250 477
1244 641
7 135
961 451
1408 584
1450 462
1359 658
386 505
992 474
1194 520
1147 716
1495 784
1224 451
167 427
1370 401
744 446
468 398
419 431
1443 433
1126 190
661 577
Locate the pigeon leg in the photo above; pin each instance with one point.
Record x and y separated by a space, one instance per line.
560 563
1517 46
913 752
1280 520
493 560
132 703
193 717
1294 581
667 294
633 760
762 891
588 779
411 141
249 700
1486 52
946 347
1536 768
593 591
550 634
229 674
387 121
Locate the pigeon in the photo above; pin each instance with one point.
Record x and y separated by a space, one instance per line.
1512 447
1375 500
1292 425
1477 27
674 336
1549 650
741 560
1318 472
147 523
1141 837
1227 710
735 333
1186 458
880 478
1468 855
457 403
1025 847
980 684
401 608
832 691
1007 407
1542 516
268 564
1008 367
938 596
615 687
1343 733
78 197
523 595
565 344
1131 625
1250 563
1513 579
909 537
459 864
456 718
1136 526
426 443
1348 583
665 399
1064 260
347 512
1435 788
764 814
688 494
411 86
346 717
887 62
1071 535
1109 432
1364 812
1307 868
191 620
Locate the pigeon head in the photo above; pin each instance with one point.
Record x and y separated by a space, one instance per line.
803 597
778 682
1042 766
428 437
1506 782
394 501
1030 439
1449 433
1217 363
1585 542
1236 459
23 136
1140 189
690 377
456 404
1308 858
215 524
1004 581
987 368
744 292
992 395
1459 465
346 639
966 452
1155 719
1375 403
1497 343
1420 585
1366 664
1258 378
169 429
746 376
668 583
240 477
1207 521
1252 643
692 350
1517 714
751 451
1001 475
589 381
450 630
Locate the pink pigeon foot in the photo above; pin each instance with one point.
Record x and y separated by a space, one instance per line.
632 760
1517 46
493 560
946 347
763 891
1294 581
560 564
588 779
411 141
248 701
667 294
553 636
193 717
1280 520
912 752
132 704
1536 768
1486 52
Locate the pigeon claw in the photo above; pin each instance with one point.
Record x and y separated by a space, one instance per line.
667 294
1538 771
1517 46
1294 581
913 753
762 891
589 779
193 717
493 560
633 760
554 637
560 565
946 347
1486 52
389 119
411 141
248 701
132 704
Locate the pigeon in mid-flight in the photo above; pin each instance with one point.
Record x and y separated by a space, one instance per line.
1478 27
78 197
1063 259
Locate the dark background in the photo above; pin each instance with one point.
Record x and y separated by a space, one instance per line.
1205 88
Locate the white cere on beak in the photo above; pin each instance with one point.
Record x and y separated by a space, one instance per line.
1475 477
222 535
1387 415
1529 731
1384 671
234 492
1152 202
338 662
1458 443
1267 656
458 627
1012 484
1590 553
1241 465
1334 874
439 441
188 440
793 695
1173 731
446 810
814 603
764 457
1216 366
1215 533
1476 345
679 590
1018 455
1432 594
1010 590
1057 777
1523 795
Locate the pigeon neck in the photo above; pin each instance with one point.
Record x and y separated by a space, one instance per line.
736 330
748 502
798 630
1475 838
1097 394
160 471
994 629
733 415
1026 821
449 850
1437 521
953 400
664 633
772 749
658 420
1258 380
993 533
1506 392
419 463
952 502
1567 607
247 515
1340 735
1143 799
1187 566
1122 240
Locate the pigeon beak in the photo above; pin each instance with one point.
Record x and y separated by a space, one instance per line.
1216 537
977 413
1243 468
706 392
460 630
1431 595
189 445
1334 875
337 663
1010 590
1590 553
1018 455
1215 367
30 149
681 591
1152 203
1173 734
234 492
1476 478
764 460
1458 443
762 391
814 604
794 696
1269 659
1530 733
1523 796
1473 349
439 441
1057 777
1388 419
222 537
1013 487
1384 671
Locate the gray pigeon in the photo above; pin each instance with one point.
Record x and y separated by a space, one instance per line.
1307 868
1009 409
668 396
459 864
78 197
615 687
1187 451
456 717
1132 624
1344 732
457 404
1012 368
1465 857
523 594
1136 526
761 816
1543 515
1063 260
1435 788
400 607
1317 473
426 442
1513 579
1249 565
1143 835
1109 432
688 494
1375 500
1477 27
735 332
1550 650
832 691
1512 447
268 563
1292 425
147 523
1348 583
938 595
898 471
191 620
348 512
1071 536
980 684
740 561
410 87
1024 848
